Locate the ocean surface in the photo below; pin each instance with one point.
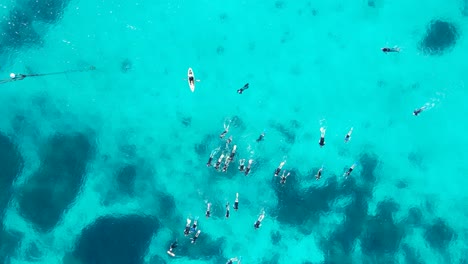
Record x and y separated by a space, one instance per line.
103 161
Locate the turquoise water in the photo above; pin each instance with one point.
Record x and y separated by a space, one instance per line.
104 166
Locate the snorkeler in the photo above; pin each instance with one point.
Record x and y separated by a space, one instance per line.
228 141
322 137
236 202
226 164
208 212
394 49
419 110
283 177
247 170
278 170
195 237
348 136
260 138
241 164
241 90
187 227
171 248
194 225
258 223
319 173
233 153
226 130
227 210
218 163
17 77
213 153
348 172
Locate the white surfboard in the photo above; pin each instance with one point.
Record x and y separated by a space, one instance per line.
191 79
170 253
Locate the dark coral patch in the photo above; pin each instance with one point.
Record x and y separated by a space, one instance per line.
440 37
48 11
56 183
116 240
11 164
439 234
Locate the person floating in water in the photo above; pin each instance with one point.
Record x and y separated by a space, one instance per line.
17 77
249 166
319 173
241 165
195 237
419 110
348 136
227 161
387 49
322 137
258 223
236 202
284 177
348 172
226 130
241 90
194 225
278 170
187 227
171 248
227 210
260 138
208 210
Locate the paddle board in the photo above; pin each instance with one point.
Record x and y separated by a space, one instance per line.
170 253
191 79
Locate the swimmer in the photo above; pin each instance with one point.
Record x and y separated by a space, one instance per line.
187 227
227 210
208 212
259 220
226 163
226 130
195 237
319 173
419 110
218 163
236 202
283 177
348 172
241 164
278 170
228 141
260 138
171 248
348 136
394 49
241 90
322 137
247 170
231 260
213 153
194 225
233 153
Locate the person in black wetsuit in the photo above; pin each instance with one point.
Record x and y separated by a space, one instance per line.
394 49
187 227
227 210
278 170
258 223
208 210
171 248
284 177
236 202
249 166
322 137
319 174
195 237
241 90
419 110
241 165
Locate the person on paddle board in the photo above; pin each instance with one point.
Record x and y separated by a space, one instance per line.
387 49
241 90
322 137
258 223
